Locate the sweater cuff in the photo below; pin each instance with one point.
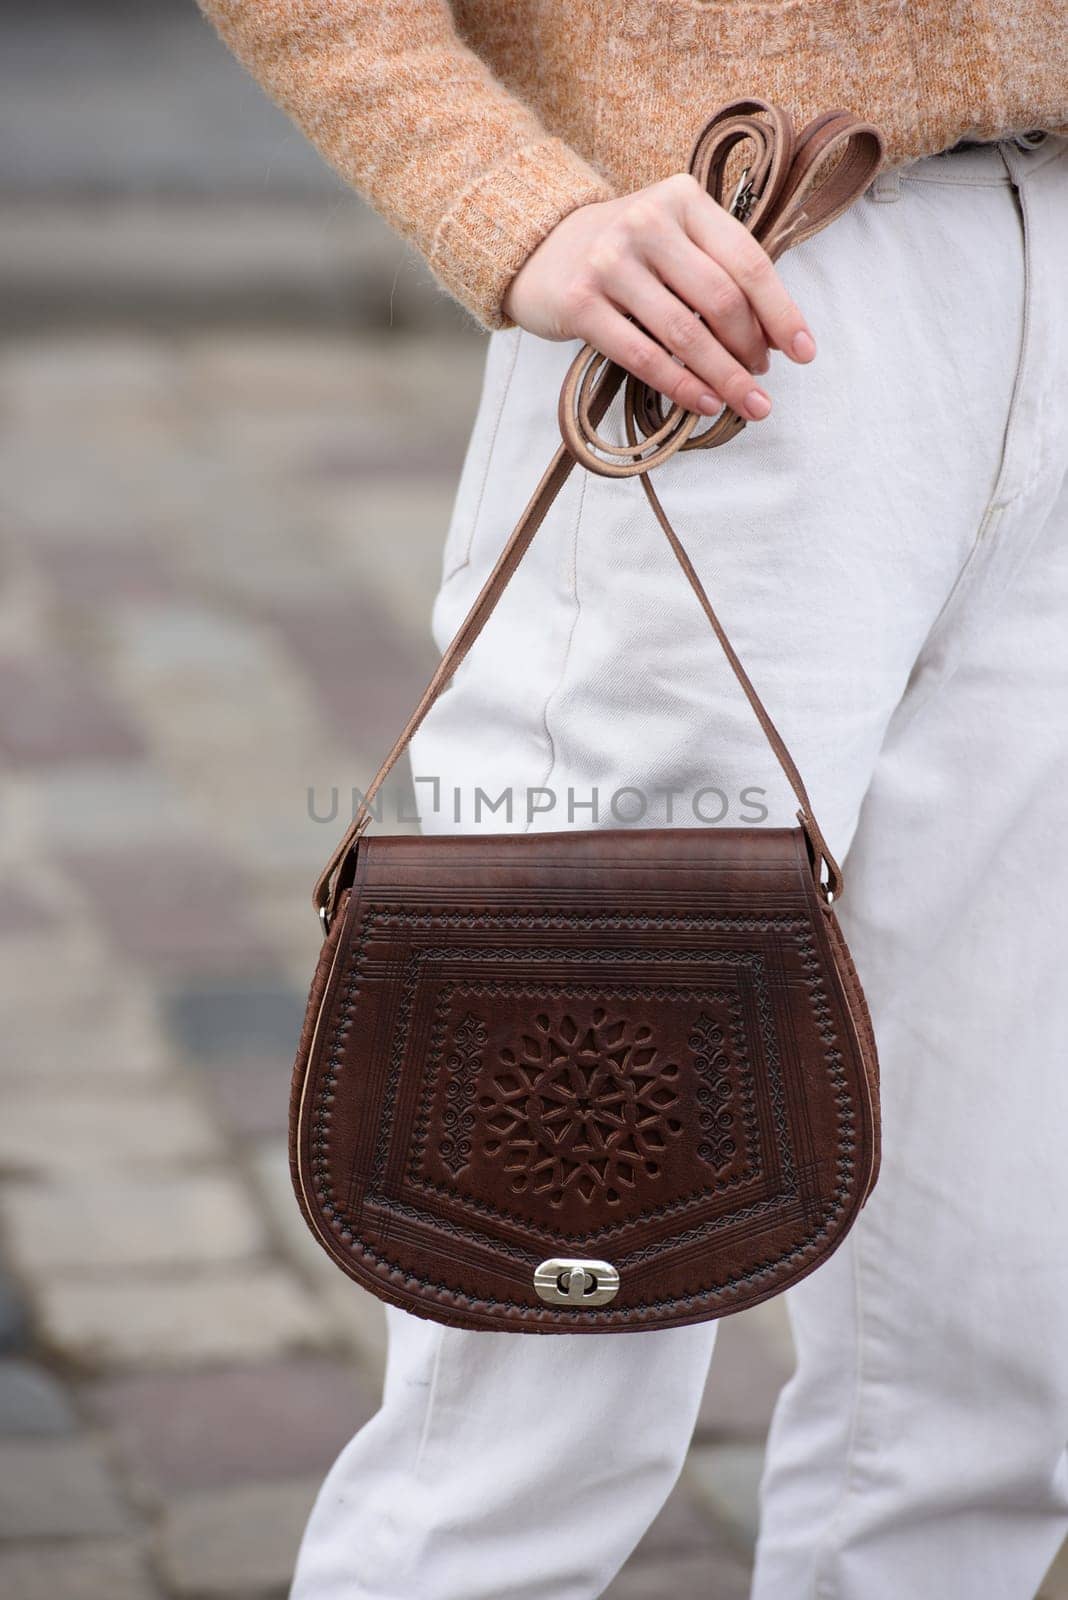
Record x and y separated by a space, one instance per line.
500 219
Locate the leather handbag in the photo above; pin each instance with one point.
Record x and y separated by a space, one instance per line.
602 1079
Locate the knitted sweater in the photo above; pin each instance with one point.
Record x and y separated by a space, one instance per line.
475 127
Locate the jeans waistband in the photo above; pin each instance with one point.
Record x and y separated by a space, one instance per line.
1024 141
984 162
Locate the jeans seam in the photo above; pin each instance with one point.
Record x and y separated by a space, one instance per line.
459 564
567 648
968 589
824 1587
432 1392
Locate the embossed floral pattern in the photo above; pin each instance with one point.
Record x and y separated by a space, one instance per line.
715 1094
581 1105
462 1064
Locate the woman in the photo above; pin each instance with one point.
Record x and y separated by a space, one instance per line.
888 545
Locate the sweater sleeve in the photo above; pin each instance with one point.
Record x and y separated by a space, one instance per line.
417 123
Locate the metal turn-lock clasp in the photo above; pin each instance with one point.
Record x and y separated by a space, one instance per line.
563 1282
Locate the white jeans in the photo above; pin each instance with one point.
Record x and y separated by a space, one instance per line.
889 552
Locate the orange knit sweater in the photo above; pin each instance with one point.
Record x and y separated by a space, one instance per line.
475 127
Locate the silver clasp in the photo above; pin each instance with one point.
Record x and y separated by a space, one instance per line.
563 1282
742 198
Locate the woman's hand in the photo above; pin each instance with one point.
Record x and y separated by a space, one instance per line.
661 255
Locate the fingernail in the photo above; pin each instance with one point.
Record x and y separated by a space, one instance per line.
803 346
757 403
764 366
708 405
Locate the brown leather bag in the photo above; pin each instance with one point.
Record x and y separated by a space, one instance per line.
610 1079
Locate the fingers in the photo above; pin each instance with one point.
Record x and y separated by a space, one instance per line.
703 366
608 330
727 241
705 286
628 276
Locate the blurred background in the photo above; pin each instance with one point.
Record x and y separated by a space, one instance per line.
233 409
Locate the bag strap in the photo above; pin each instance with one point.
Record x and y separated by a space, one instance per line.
790 188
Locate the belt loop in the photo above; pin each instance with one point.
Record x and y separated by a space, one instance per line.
886 186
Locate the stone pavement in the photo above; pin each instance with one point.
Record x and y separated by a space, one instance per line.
217 563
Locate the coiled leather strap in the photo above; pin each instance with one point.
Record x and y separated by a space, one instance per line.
792 186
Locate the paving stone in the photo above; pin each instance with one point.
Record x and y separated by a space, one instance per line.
172 905
31 965
137 1128
88 1223
255 505
13 1326
193 645
76 1569
118 470
253 371
347 455
296 937
217 1023
358 1316
747 1371
314 443
51 711
52 1488
253 1098
199 1431
283 835
101 1025
247 764
83 574
394 528
21 912
32 1402
75 949
96 806
366 673
204 1319
23 597
726 1477
686 1551
235 1541
355 391
682 1527
1055 1586
709 1577
50 381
